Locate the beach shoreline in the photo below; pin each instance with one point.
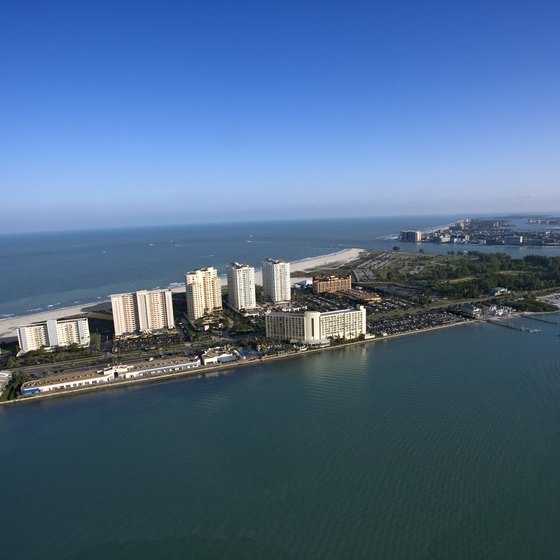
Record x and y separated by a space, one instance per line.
9 325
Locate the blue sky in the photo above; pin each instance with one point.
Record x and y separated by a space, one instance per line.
132 112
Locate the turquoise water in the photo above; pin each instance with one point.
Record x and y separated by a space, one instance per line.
443 445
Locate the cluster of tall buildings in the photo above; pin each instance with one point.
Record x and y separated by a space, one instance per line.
204 292
147 311
152 310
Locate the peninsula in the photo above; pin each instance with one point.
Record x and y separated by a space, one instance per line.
387 294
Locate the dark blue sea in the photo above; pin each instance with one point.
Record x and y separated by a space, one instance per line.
46 271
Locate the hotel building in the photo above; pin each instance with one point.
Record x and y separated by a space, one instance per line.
276 280
203 292
143 311
241 286
322 284
314 328
53 333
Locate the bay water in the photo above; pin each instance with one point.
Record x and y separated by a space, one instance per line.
433 446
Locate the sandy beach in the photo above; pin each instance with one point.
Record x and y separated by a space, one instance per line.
8 326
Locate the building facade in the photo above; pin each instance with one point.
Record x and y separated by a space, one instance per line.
53 333
276 280
143 311
413 236
322 284
315 328
203 292
241 286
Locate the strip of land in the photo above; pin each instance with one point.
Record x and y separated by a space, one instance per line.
8 326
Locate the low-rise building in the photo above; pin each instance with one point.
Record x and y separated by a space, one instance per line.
360 295
322 284
86 379
71 380
498 291
470 310
214 356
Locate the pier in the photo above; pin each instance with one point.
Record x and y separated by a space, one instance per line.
541 319
513 327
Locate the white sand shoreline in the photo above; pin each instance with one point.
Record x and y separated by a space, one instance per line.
9 325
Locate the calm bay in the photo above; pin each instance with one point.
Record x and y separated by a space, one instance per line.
438 445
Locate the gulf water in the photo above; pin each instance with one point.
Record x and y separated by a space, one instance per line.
43 271
443 445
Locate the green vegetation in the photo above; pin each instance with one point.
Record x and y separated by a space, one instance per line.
95 341
474 274
531 304
41 356
12 389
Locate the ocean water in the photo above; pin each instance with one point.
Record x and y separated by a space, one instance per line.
444 445
51 270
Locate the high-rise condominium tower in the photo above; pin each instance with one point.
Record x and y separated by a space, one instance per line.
53 333
276 280
143 311
203 291
241 286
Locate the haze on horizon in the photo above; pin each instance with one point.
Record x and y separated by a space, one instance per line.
118 114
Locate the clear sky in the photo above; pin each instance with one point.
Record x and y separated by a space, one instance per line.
136 112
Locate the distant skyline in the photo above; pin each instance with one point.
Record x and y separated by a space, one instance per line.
146 113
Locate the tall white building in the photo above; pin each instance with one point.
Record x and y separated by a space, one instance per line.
142 311
276 280
315 328
204 292
125 313
241 286
53 333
